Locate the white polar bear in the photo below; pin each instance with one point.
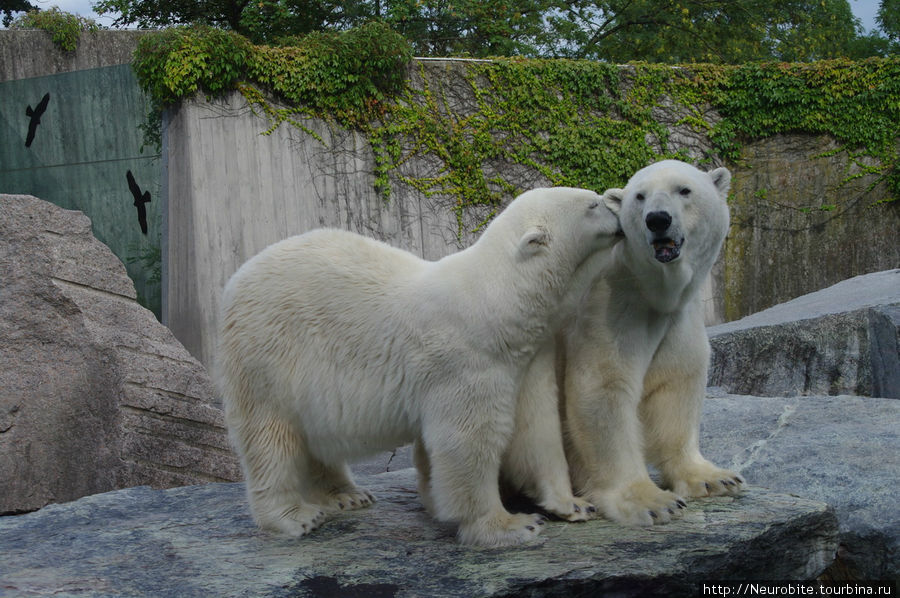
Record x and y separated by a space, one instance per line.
334 346
631 368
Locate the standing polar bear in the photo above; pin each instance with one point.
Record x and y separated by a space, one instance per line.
631 368
334 346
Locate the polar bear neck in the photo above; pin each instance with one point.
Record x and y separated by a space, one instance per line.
667 288
519 308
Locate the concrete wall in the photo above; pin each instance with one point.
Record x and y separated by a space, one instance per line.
230 191
87 140
797 227
233 191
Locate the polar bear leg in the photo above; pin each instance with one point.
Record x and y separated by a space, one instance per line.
535 461
464 470
675 387
605 443
276 466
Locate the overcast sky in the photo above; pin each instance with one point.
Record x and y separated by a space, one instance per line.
864 10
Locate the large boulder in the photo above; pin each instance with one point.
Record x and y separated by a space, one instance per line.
841 340
201 541
842 450
95 394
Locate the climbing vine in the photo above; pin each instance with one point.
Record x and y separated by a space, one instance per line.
579 123
65 29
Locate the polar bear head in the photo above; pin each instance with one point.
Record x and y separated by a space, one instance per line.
562 224
671 208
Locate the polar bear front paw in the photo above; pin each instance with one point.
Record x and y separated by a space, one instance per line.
356 498
572 509
705 479
295 521
639 503
506 529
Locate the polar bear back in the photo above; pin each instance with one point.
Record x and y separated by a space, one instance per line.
340 301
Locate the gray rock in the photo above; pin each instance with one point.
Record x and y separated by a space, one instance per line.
200 541
841 340
95 394
844 451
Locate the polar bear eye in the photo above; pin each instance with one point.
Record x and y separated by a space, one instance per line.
639 197
685 191
594 205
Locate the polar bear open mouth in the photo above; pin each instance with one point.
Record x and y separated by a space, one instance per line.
666 249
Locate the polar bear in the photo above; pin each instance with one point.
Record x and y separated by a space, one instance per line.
631 367
334 346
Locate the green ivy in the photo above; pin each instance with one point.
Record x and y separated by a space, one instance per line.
857 103
578 123
64 28
178 62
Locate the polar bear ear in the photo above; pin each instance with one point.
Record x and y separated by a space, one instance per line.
613 199
534 240
721 178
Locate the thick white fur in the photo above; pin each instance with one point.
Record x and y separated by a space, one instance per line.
334 346
632 366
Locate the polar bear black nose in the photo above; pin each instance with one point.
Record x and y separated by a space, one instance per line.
657 222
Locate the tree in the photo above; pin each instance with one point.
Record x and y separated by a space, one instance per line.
471 27
727 31
888 19
719 31
8 7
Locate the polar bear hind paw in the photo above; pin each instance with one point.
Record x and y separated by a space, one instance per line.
294 521
507 529
640 503
707 480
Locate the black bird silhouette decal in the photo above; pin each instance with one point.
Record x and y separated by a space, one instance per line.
35 117
139 201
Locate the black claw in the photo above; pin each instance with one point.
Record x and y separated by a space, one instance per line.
671 512
540 522
739 480
592 509
653 514
708 487
529 528
341 505
681 504
577 509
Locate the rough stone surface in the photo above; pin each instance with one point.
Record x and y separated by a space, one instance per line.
841 340
844 451
200 541
95 394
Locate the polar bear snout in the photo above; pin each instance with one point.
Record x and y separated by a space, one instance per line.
665 238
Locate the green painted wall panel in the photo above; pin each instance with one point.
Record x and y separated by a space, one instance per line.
87 140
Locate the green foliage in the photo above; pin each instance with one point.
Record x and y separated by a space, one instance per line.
888 18
177 62
8 7
715 31
564 119
857 103
64 28
672 31
570 122
346 74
